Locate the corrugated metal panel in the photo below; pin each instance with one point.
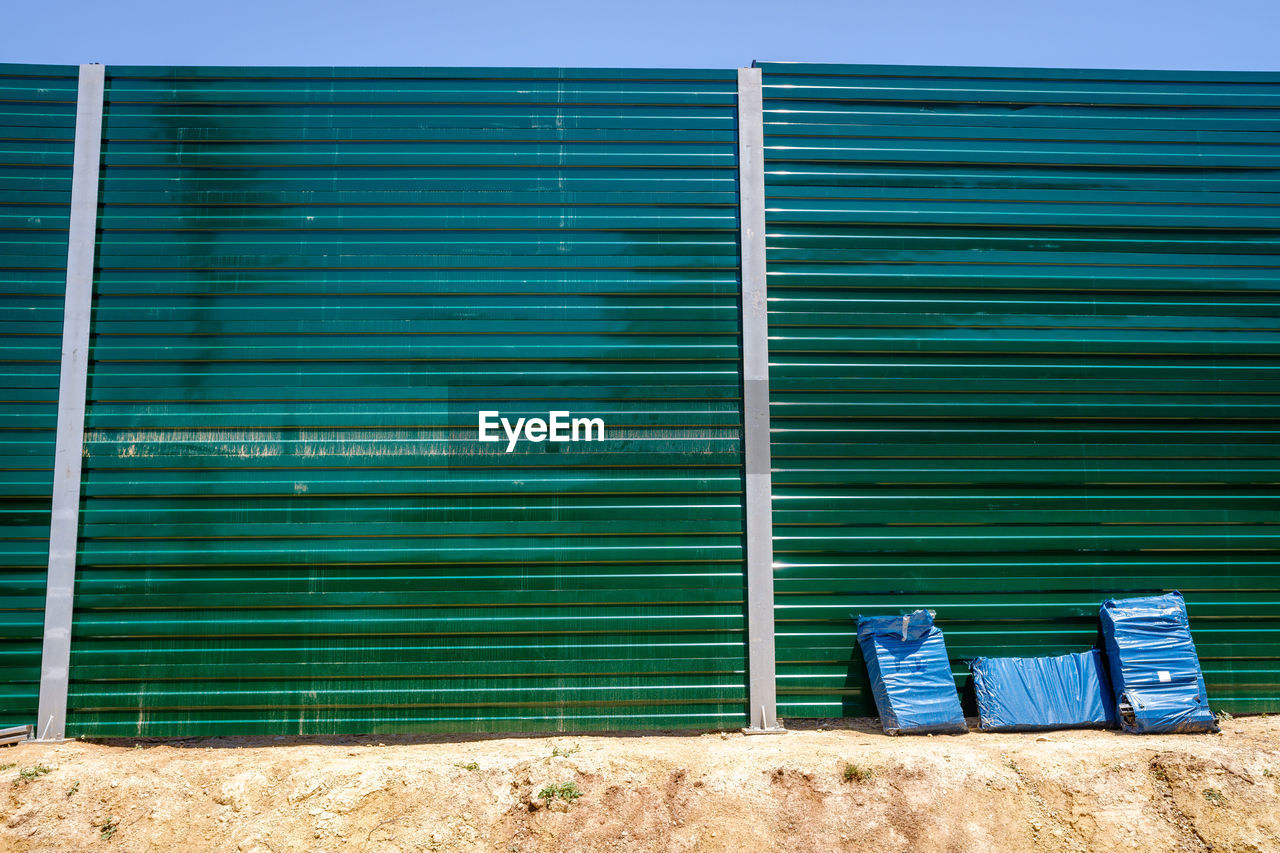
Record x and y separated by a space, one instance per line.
1024 334
311 282
37 131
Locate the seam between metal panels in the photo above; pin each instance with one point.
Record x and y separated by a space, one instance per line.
762 689
72 383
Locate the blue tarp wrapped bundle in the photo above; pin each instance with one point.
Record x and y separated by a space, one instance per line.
1037 694
910 674
1155 673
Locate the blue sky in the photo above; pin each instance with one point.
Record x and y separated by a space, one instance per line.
1185 34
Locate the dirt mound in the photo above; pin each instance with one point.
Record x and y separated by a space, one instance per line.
844 788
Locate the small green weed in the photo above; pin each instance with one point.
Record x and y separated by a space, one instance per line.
557 752
109 828
75 786
8 766
470 765
1267 773
857 773
28 774
567 791
1160 773
1223 717
1214 796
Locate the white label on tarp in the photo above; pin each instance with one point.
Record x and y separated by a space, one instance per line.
1164 675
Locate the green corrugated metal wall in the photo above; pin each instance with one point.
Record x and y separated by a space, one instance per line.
37 132
1024 328
311 280
1023 331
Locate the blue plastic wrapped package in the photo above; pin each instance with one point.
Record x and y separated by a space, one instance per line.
910 674
1037 694
1155 674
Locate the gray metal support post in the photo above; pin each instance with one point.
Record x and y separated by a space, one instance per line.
55 661
761 669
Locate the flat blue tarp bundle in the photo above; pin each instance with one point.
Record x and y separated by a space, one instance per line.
1155 673
1036 694
910 674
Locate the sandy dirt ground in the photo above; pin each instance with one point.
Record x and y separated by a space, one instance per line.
832 786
